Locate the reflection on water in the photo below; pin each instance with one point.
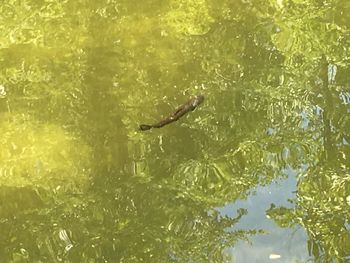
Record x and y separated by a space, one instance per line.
259 172
287 243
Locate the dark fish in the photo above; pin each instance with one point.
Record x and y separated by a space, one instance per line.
179 112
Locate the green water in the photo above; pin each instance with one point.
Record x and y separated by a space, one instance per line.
260 172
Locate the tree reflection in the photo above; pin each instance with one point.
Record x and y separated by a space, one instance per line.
321 203
79 79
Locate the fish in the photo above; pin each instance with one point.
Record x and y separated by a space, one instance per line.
190 105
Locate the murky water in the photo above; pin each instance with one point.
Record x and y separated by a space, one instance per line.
259 172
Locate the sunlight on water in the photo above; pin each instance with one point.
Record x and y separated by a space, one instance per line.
258 172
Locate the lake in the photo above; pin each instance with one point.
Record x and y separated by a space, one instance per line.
258 172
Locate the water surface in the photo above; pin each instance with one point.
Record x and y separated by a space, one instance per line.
259 172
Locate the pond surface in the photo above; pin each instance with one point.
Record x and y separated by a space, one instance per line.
259 172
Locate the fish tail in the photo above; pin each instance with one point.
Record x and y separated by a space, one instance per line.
145 127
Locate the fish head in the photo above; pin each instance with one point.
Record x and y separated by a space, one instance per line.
197 100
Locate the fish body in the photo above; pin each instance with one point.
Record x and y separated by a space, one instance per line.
177 114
